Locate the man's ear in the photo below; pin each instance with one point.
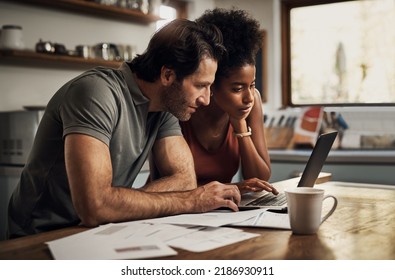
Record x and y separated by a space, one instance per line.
167 76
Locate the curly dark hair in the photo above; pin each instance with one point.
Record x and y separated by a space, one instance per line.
241 34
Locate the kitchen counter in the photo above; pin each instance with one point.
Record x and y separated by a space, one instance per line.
336 156
368 166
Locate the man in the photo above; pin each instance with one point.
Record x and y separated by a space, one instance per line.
98 129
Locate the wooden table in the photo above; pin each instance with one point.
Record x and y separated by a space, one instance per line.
362 227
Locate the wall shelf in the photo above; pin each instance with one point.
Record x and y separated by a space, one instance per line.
34 59
29 57
95 9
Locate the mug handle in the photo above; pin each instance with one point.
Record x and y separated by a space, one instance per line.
333 207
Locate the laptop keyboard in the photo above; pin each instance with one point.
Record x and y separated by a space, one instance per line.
270 200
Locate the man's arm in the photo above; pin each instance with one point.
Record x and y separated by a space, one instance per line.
172 159
96 201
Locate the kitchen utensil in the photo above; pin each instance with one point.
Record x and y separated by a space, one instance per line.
85 51
107 51
126 52
60 49
45 47
49 47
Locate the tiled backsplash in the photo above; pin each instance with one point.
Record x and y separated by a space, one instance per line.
369 128
371 122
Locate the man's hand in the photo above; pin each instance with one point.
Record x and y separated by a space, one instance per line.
215 195
256 185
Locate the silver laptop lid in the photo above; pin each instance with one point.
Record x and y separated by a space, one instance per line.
317 159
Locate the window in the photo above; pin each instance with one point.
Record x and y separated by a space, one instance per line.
338 52
171 9
167 13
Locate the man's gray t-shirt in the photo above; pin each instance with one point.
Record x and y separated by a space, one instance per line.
103 103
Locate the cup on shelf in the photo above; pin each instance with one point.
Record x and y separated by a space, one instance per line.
11 38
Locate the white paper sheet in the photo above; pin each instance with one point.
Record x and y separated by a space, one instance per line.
210 219
95 250
266 219
111 241
144 239
210 238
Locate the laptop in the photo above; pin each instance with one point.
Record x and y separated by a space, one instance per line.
309 176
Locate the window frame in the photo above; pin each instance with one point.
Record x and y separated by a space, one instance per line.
179 5
261 68
285 9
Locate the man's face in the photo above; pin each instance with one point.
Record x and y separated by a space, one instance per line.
183 98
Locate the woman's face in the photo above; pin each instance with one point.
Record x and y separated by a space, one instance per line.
235 93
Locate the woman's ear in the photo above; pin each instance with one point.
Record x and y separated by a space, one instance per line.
167 76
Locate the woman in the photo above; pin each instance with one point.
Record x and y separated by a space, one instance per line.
229 132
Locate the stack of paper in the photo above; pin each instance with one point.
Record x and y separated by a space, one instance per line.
152 238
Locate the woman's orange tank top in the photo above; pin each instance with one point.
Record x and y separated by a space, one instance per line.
219 165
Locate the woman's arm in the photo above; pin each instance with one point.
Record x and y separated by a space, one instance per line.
255 160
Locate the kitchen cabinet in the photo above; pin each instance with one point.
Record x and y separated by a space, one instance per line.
9 178
95 9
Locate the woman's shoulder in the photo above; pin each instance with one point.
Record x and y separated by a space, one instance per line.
257 95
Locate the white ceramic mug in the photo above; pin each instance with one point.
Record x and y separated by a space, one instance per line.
305 207
11 37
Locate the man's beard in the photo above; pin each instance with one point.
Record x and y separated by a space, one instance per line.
174 101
